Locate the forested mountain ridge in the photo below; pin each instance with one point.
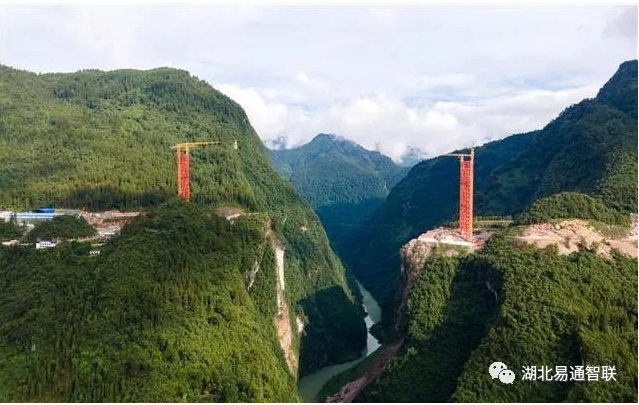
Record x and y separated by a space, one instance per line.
591 148
526 307
101 140
343 182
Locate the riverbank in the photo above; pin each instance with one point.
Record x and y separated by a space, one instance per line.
310 386
345 386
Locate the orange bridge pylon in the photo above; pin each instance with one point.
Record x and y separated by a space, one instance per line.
466 163
183 165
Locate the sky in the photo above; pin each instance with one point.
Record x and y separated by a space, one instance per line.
391 78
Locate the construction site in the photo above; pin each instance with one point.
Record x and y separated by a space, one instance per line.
463 236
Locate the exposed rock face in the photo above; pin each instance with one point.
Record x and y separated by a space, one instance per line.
446 241
570 235
416 252
250 276
230 213
283 316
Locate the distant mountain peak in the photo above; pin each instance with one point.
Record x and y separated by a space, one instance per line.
328 139
343 181
412 156
331 137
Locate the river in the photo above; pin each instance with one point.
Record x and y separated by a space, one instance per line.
309 386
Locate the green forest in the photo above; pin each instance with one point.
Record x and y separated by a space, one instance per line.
101 140
522 306
9 230
61 227
572 205
509 301
343 182
157 316
182 306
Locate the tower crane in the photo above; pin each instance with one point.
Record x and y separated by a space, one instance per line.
466 163
183 164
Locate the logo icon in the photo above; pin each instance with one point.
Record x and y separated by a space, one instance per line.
500 370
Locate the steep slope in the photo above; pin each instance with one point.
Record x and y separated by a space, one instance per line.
343 182
101 140
162 314
590 148
523 306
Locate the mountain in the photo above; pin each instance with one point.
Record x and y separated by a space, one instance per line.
535 310
158 316
590 148
412 156
550 296
185 304
342 181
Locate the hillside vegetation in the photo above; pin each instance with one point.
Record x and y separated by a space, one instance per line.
9 230
572 205
63 227
522 306
101 140
511 301
590 148
162 314
343 182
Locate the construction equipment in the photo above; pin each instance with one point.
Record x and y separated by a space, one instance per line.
183 164
466 162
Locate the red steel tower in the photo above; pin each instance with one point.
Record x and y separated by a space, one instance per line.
466 162
183 163
183 166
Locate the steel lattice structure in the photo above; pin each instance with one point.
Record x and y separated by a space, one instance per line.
183 166
466 163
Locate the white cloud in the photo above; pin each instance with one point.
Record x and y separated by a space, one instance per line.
302 77
269 118
624 25
455 80
387 124
432 77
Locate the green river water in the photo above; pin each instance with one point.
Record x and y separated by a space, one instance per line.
309 386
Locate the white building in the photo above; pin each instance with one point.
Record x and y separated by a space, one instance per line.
45 244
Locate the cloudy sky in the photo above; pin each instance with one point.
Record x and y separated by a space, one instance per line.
389 78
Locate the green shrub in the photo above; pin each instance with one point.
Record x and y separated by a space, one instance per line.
572 205
9 230
62 227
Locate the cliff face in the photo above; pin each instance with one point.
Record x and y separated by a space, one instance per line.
527 296
414 255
